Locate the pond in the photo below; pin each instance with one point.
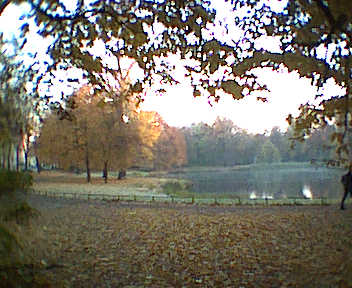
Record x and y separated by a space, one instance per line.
277 181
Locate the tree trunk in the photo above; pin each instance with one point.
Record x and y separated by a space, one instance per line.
3 156
105 172
88 167
25 160
37 163
26 153
9 151
18 158
122 174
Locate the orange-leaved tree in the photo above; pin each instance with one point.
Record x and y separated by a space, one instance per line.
100 134
170 150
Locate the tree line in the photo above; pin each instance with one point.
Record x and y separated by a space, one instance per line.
102 135
107 137
225 144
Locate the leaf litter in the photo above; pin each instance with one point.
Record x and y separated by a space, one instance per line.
155 245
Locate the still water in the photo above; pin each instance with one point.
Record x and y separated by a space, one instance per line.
267 181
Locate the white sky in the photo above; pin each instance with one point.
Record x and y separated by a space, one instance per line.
287 93
179 108
287 90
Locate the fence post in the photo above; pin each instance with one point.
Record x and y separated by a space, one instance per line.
153 199
192 199
172 199
266 201
135 198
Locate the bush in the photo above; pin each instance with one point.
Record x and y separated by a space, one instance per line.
177 188
9 246
17 267
12 181
14 269
20 212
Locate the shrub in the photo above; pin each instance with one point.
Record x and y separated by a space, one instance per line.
9 246
20 212
12 181
177 187
17 267
15 271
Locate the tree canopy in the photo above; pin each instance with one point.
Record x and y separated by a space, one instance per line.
313 37
315 40
96 137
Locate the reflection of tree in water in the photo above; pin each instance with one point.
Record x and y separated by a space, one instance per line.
267 181
307 192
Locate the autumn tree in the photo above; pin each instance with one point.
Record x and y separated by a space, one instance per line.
150 128
170 150
83 125
77 142
55 143
128 134
118 136
69 143
100 134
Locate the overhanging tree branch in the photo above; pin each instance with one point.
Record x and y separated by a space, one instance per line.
3 5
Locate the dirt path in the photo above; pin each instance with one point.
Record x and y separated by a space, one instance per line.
128 244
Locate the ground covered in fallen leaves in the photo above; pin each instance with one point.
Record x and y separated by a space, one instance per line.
99 244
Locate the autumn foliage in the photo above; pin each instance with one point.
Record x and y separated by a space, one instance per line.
104 136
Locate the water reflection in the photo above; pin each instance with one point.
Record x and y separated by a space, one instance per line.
307 192
253 196
271 182
267 196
